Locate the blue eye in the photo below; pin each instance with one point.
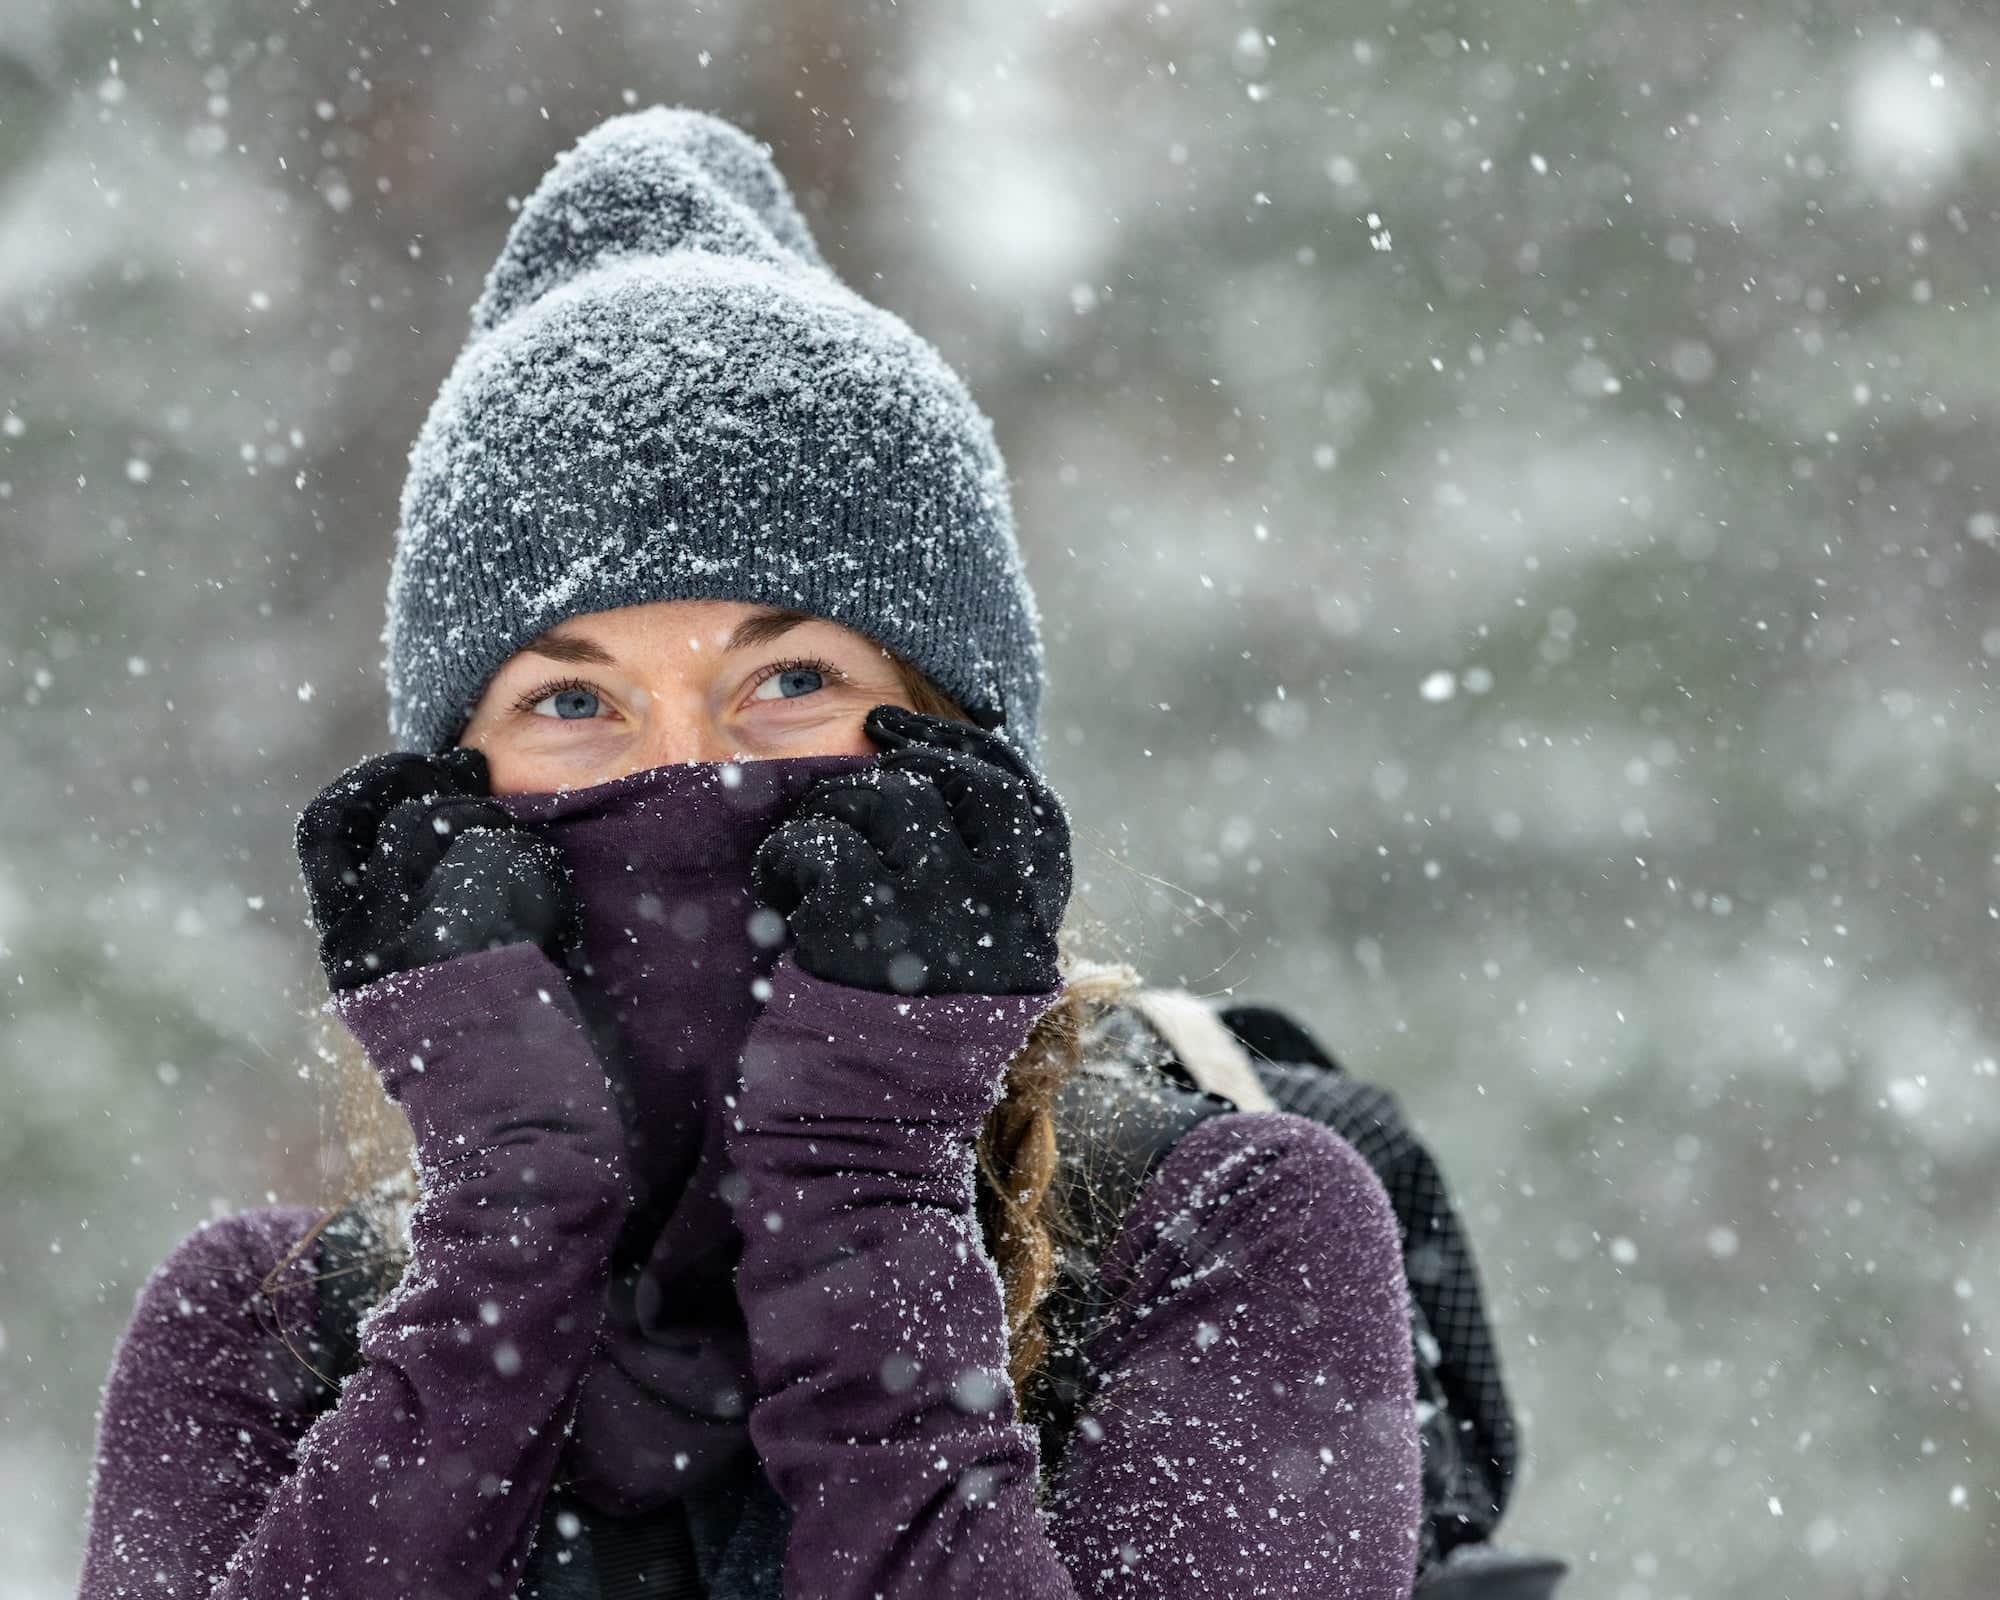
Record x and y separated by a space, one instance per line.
793 681
571 705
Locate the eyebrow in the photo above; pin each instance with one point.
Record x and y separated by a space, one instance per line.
764 627
567 647
760 629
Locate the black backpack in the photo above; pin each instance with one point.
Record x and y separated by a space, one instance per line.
1154 1068
1165 1061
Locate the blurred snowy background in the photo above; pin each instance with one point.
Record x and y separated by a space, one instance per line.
1509 488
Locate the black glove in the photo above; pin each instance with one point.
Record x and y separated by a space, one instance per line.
942 869
406 862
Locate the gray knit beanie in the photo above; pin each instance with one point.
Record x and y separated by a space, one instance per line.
668 395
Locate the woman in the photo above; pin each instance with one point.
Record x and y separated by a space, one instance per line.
705 928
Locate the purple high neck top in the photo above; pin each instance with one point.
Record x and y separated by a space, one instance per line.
676 962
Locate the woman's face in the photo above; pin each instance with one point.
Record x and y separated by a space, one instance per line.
615 692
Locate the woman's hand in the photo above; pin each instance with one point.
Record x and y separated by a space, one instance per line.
943 869
407 862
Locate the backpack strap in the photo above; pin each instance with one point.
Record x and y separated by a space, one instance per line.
1202 1043
1273 1035
1116 1118
349 1250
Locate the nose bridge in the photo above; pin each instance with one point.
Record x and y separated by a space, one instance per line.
683 728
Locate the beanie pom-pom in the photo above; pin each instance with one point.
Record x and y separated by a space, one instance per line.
666 178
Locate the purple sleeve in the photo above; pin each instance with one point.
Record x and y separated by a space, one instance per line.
1256 1415
427 1477
1254 1427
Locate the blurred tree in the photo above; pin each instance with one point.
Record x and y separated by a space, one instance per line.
1507 486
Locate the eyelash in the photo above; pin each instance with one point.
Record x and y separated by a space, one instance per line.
537 695
826 669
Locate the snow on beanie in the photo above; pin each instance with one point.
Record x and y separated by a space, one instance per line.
668 395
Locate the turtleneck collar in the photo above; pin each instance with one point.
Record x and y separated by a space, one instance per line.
671 969
682 814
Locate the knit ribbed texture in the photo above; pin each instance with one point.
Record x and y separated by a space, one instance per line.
668 395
